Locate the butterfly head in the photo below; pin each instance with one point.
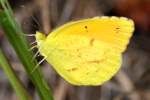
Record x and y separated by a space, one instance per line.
40 38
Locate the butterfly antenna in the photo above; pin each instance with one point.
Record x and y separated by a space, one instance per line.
38 65
29 35
35 55
33 47
36 21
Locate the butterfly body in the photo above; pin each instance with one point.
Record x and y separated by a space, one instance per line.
87 52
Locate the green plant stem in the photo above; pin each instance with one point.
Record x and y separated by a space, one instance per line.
16 83
14 34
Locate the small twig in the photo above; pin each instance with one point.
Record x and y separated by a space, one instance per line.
60 91
67 11
45 15
127 85
86 9
54 15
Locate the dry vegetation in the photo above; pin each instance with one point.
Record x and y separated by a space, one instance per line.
132 82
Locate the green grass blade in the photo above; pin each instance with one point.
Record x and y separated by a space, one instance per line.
13 33
16 83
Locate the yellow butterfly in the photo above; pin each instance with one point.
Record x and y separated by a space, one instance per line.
88 51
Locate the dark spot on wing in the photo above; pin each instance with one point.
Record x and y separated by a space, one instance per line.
87 73
86 28
94 61
72 69
91 41
117 29
78 50
96 70
79 56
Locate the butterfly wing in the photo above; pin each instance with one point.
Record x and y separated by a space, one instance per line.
83 61
88 52
116 31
